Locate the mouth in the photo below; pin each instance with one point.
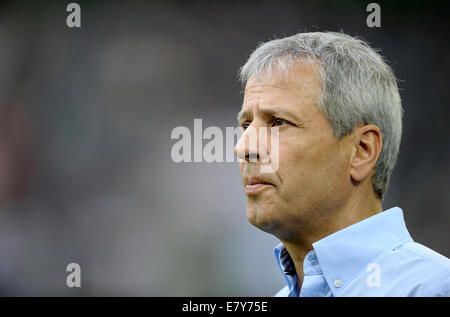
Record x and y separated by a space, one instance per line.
255 185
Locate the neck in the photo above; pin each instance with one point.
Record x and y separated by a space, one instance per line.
353 211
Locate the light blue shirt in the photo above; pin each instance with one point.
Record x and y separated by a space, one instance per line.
374 257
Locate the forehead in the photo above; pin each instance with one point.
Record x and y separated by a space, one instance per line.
299 76
299 87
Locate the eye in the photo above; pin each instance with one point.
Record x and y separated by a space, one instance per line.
245 125
278 121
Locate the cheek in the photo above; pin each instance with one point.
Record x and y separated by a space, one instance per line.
307 164
293 167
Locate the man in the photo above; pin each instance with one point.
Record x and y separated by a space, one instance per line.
338 112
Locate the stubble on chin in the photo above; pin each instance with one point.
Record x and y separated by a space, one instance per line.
262 215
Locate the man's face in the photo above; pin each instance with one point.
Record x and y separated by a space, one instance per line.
313 174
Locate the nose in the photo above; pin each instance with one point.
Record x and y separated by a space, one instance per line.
247 146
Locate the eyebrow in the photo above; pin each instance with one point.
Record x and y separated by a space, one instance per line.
241 115
273 111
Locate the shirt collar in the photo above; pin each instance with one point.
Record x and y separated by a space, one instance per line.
347 252
287 268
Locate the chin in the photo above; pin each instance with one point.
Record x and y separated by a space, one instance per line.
262 219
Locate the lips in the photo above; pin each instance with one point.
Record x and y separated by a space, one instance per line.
254 185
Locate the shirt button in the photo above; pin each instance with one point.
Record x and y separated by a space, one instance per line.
337 283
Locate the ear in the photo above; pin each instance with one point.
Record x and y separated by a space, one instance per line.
367 148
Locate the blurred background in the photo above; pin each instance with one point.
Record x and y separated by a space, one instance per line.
86 116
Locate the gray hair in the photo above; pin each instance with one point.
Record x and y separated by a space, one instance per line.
358 87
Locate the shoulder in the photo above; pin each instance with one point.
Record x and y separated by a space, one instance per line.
425 257
411 270
422 270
